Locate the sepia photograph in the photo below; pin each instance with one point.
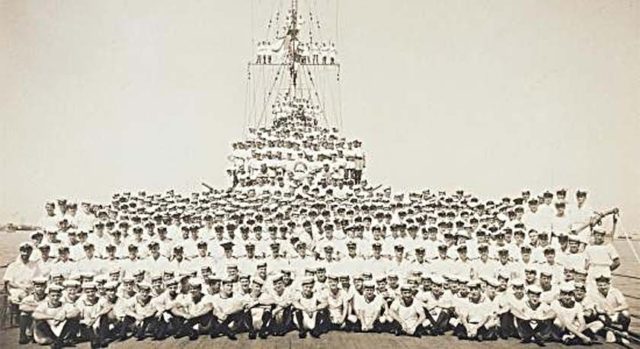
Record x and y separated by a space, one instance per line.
319 173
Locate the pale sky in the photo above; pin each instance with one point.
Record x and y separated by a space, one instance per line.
488 96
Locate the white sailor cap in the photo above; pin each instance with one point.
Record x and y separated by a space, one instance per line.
307 280
567 287
39 280
89 285
195 282
144 286
406 287
71 283
437 279
517 283
369 284
534 289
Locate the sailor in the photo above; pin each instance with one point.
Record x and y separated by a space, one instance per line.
510 300
90 312
407 314
55 323
179 262
140 314
155 261
90 263
19 274
310 310
228 309
165 303
533 318
602 258
548 286
27 306
370 310
569 326
202 258
258 305
438 307
337 304
193 315
475 317
281 315
315 52
611 307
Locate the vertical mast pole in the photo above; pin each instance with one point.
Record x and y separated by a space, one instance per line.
293 32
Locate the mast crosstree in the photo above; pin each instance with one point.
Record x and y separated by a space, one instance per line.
293 66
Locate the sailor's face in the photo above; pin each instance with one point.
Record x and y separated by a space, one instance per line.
579 294
545 280
598 238
25 254
369 293
173 288
307 288
72 292
566 297
530 275
90 293
39 288
518 291
55 297
534 298
603 286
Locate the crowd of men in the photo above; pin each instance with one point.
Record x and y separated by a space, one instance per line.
300 243
308 53
287 43
296 152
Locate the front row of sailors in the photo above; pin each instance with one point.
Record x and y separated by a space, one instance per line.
102 309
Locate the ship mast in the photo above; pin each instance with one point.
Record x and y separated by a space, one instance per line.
293 45
308 61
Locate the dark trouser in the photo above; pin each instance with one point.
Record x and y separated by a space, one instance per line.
378 327
357 176
266 317
104 334
439 325
322 320
68 332
280 328
396 328
622 323
507 326
184 327
147 324
24 322
557 333
237 318
90 334
483 334
541 333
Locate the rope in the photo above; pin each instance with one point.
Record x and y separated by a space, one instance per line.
626 276
629 242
